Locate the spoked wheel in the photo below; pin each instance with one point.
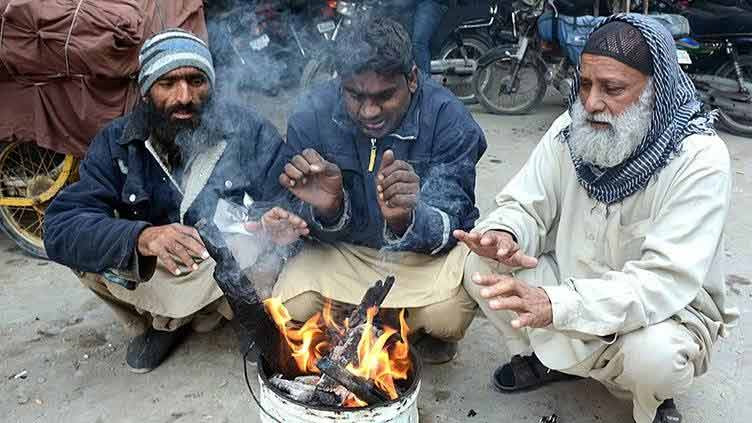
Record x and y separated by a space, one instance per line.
462 85
736 123
500 93
30 177
318 69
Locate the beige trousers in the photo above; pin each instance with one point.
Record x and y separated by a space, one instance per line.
646 366
445 320
136 321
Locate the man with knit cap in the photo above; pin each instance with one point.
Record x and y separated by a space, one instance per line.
126 228
604 257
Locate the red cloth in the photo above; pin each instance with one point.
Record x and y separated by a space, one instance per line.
60 104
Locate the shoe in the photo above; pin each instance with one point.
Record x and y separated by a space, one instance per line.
667 413
434 350
148 350
526 373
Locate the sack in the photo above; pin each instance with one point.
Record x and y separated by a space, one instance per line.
572 32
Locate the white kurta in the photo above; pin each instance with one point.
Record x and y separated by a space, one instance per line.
656 255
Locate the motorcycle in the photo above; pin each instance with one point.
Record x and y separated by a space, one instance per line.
465 33
262 46
718 59
513 79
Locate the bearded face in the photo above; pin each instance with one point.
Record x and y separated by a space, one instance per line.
606 140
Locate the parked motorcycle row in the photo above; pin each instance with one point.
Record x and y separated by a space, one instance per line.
503 54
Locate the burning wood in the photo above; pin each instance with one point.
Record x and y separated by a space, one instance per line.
359 361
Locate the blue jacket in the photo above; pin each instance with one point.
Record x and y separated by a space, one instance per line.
438 137
93 225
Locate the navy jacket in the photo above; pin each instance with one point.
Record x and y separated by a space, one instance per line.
438 137
93 225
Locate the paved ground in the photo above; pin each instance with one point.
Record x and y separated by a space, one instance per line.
73 350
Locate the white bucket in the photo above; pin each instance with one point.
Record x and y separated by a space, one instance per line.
286 410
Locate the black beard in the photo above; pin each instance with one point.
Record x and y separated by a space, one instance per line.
174 139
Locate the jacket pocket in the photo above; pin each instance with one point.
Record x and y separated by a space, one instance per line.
631 238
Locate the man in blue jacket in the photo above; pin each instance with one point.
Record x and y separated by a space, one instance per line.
146 180
385 171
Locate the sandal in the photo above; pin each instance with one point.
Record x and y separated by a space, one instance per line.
526 373
667 413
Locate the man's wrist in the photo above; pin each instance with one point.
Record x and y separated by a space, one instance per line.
399 225
331 214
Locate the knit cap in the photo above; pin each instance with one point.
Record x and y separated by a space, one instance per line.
623 42
171 49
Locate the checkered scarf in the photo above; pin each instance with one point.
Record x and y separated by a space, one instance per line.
677 114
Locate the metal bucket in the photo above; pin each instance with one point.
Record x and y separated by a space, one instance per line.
284 409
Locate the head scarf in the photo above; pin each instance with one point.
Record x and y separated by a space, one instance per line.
677 114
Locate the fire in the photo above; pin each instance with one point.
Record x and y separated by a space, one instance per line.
381 358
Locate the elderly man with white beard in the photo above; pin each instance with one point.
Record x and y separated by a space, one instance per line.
604 257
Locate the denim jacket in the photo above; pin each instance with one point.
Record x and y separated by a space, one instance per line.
437 136
93 225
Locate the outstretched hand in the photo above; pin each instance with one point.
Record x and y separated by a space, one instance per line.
497 245
398 189
281 226
314 181
532 304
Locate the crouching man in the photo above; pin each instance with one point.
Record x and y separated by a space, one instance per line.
604 256
384 167
146 179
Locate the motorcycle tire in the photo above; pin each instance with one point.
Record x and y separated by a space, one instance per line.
462 87
727 122
491 79
317 70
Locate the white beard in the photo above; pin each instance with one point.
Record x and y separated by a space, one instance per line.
609 147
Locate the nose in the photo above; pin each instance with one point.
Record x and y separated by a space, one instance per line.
593 101
370 110
183 93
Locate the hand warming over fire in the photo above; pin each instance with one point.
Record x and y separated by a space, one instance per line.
497 245
314 181
531 303
173 244
282 226
399 189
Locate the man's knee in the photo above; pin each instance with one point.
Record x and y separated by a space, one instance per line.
661 356
447 320
301 307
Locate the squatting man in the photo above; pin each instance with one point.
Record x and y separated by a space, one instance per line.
604 256
126 227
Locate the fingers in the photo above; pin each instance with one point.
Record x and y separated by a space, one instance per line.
181 253
253 227
314 159
169 263
387 159
400 188
291 176
519 259
191 246
190 231
402 201
495 285
523 320
404 176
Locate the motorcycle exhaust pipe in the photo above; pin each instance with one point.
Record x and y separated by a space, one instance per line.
726 85
733 108
455 66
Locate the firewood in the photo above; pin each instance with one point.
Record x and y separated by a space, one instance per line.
299 391
364 389
346 351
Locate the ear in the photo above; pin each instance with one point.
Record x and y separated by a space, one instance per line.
412 80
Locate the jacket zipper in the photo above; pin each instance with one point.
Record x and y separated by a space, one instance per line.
372 160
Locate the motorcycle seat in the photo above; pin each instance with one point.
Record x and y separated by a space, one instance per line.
716 20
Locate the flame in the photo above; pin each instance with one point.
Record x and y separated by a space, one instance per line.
378 359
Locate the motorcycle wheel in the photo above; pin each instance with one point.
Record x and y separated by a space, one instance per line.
462 86
318 69
727 122
492 80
